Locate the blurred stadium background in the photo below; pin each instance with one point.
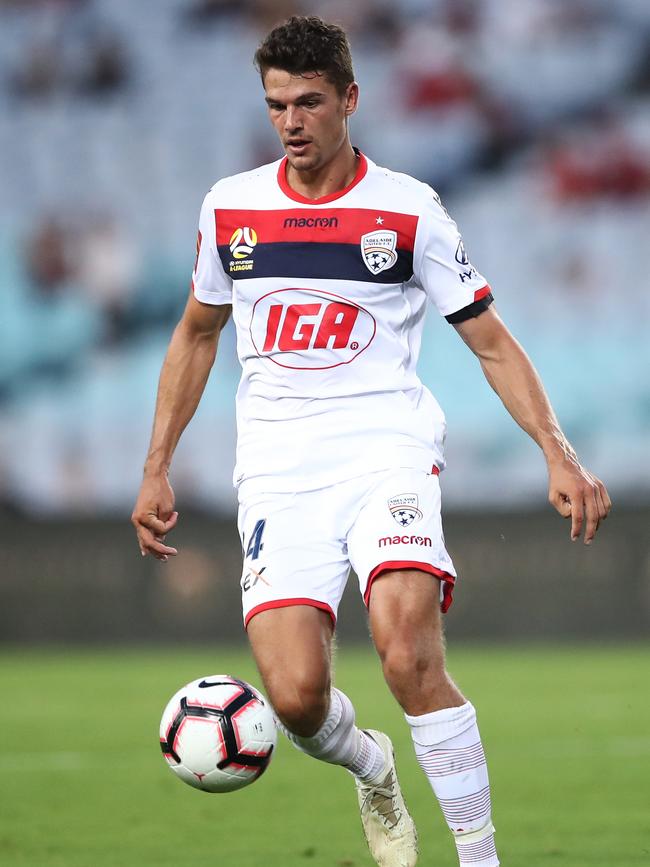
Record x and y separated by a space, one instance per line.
530 117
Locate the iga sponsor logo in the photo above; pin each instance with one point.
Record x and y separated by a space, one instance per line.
425 541
404 508
378 250
308 329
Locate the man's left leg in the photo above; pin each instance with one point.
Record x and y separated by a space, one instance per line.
406 625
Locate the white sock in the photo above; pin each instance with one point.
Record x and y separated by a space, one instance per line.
339 742
449 750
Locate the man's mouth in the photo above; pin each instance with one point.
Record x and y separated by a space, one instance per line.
297 145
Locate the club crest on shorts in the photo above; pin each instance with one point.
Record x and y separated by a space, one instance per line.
404 508
379 250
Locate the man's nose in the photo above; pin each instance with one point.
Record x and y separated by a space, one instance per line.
293 118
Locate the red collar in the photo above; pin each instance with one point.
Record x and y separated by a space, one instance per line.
362 169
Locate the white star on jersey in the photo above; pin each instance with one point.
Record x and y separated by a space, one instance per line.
380 221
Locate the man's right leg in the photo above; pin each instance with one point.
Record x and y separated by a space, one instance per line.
292 647
294 573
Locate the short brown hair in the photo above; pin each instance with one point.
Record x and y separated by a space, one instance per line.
307 44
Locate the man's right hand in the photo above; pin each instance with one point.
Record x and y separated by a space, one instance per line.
183 377
154 516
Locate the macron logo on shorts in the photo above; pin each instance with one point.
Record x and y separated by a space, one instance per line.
405 540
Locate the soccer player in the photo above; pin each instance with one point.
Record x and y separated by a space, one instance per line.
326 262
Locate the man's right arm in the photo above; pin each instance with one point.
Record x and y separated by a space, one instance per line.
184 374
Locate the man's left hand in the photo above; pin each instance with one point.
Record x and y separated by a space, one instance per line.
578 495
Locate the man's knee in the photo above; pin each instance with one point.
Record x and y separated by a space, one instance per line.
292 649
300 703
407 631
417 677
406 624
404 661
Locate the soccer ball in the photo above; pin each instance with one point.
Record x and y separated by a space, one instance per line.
218 734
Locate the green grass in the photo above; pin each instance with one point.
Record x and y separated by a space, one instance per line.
566 731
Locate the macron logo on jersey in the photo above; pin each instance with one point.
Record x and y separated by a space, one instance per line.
309 329
311 223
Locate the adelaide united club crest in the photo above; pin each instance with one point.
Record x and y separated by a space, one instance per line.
404 508
379 250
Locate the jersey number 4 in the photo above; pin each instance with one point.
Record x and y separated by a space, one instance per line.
255 544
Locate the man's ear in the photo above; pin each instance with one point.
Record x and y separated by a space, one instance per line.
351 98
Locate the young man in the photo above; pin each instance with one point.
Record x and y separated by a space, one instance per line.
326 262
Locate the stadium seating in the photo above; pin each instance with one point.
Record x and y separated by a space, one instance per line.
77 390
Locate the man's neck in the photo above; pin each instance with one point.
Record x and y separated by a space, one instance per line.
328 179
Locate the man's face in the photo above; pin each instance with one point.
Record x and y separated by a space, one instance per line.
309 116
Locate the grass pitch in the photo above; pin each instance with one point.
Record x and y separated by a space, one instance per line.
566 732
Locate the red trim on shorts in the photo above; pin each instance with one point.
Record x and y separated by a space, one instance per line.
390 565
435 471
287 603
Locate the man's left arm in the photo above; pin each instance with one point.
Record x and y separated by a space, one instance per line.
573 491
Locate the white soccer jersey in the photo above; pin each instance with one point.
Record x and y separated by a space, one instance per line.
328 299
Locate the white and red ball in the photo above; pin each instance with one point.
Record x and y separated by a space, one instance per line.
218 734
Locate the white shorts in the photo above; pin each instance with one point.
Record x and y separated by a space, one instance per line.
299 547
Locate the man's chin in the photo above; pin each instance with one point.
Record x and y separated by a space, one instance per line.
303 162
